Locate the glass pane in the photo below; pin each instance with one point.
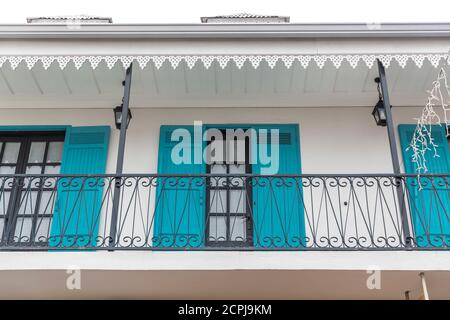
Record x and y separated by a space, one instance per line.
42 229
218 169
37 151
34 181
23 229
238 154
2 224
50 182
28 202
216 153
7 169
11 152
238 230
218 201
55 151
237 201
52 169
217 228
237 169
47 202
33 169
4 200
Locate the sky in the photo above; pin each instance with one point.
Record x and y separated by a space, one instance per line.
190 11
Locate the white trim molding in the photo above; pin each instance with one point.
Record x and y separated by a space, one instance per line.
435 59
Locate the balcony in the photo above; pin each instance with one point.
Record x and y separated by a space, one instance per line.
224 212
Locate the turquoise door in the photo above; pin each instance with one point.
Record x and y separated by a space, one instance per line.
78 205
179 204
429 206
277 203
279 220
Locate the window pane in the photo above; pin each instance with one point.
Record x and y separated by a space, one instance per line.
47 202
216 153
32 182
7 169
4 200
217 229
50 182
37 151
42 229
23 229
2 225
238 230
237 201
52 169
28 202
218 201
11 152
237 169
236 151
218 169
55 151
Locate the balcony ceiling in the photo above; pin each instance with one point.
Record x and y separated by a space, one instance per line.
214 87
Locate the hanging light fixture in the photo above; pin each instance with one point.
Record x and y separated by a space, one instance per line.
118 116
379 113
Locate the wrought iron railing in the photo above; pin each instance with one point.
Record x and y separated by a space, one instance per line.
224 212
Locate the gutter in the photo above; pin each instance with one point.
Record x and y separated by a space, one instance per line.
224 31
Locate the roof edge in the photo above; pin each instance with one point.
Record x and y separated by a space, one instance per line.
292 30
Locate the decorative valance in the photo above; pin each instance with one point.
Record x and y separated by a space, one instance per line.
224 60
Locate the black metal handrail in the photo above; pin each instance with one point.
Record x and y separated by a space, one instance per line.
225 212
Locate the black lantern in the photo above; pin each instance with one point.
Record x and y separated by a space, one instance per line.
379 113
118 116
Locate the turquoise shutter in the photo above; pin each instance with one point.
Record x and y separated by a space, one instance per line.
78 204
278 215
179 205
430 206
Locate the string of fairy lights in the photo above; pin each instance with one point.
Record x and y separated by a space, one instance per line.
422 141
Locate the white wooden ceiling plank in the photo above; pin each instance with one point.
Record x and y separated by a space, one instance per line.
80 81
329 78
223 79
298 78
200 80
237 79
51 81
5 87
109 81
283 78
252 78
21 80
313 79
267 79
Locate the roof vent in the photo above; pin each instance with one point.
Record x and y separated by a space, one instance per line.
78 19
245 18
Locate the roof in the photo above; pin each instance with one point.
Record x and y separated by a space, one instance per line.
243 17
64 19
215 31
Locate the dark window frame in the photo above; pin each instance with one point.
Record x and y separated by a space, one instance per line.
12 215
246 186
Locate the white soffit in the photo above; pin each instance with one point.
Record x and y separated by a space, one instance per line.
80 86
223 61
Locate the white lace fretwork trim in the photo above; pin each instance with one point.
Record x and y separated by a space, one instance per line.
223 60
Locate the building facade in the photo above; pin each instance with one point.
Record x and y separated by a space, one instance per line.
251 165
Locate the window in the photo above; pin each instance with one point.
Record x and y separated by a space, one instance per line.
27 203
228 199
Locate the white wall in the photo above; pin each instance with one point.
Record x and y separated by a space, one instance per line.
333 140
